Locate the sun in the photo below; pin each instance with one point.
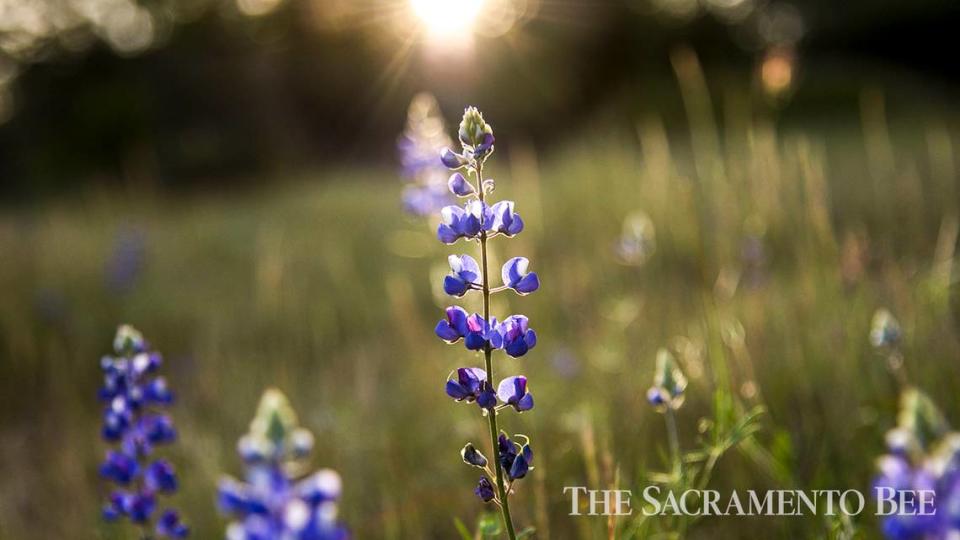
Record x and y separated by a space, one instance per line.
447 17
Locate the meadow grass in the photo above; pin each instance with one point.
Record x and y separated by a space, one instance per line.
322 287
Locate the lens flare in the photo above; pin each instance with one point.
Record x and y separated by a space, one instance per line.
447 17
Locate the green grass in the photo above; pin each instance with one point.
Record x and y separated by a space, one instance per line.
322 287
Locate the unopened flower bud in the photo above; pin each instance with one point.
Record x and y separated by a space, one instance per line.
472 456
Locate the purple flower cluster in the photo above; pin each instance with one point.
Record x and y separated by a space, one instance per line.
277 502
417 147
922 454
479 221
134 397
513 335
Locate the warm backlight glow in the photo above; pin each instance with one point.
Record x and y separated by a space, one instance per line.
447 17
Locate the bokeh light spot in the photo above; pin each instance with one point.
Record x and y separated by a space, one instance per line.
447 17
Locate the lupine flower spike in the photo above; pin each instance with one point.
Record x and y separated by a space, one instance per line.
923 454
423 137
478 220
666 395
277 501
135 423
886 337
669 383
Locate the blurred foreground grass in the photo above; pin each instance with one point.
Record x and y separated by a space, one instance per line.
772 253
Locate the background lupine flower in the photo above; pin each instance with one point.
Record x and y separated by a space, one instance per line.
637 242
423 137
126 262
565 363
134 421
754 259
885 331
276 502
669 383
476 219
922 454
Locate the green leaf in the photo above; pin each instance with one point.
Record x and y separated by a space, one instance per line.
462 529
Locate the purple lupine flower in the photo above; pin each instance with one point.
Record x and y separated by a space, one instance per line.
472 385
515 463
466 222
460 186
514 336
485 490
475 332
936 473
503 220
513 392
119 467
466 275
417 147
133 396
160 477
922 455
481 332
451 159
169 525
424 200
273 503
516 277
454 327
669 383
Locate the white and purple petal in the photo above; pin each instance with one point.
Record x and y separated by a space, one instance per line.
516 277
451 159
460 186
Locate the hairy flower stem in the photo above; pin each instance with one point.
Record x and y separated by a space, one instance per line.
487 352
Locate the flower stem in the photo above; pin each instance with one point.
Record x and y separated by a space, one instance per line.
487 352
674 442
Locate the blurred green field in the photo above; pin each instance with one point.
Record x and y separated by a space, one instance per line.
772 252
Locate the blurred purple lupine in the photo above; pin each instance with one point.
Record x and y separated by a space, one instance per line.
423 137
277 501
477 220
638 240
134 423
923 454
125 264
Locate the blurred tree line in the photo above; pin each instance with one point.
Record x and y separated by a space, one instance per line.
210 92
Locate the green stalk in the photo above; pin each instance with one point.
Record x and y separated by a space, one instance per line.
674 441
487 353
